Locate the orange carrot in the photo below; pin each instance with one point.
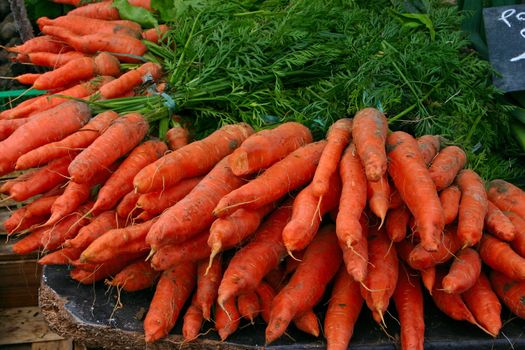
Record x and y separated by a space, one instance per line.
121 181
500 257
208 280
17 222
195 159
127 240
483 302
119 138
128 204
320 263
412 179
98 226
81 25
156 202
378 194
157 34
498 224
66 119
464 272
43 43
369 136
67 228
408 298
264 148
472 207
450 198
141 3
62 256
338 136
429 146
41 206
193 249
507 197
251 263
30 242
193 213
25 79
381 279
177 137
510 291
396 223
353 197
124 47
307 322
136 276
99 10
49 59
7 185
518 243
276 278
266 295
428 276
7 127
308 211
446 165
192 323
248 305
343 309
395 199
421 259
356 257
99 272
130 79
227 318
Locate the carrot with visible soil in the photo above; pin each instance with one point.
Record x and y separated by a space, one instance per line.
263 253
136 276
192 323
337 138
507 197
473 207
408 298
413 182
248 305
30 242
194 159
49 59
66 228
355 257
99 10
397 222
308 211
118 139
81 25
193 249
353 197
381 279
42 43
378 195
518 243
463 273
429 146
450 198
446 165
156 202
497 223
484 304
421 259
510 291
501 257
177 137
7 127
62 256
343 309
266 147
278 177
130 79
227 318
96 228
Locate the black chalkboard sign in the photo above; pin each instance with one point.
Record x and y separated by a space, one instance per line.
505 32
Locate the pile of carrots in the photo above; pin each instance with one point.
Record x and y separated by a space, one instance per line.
244 223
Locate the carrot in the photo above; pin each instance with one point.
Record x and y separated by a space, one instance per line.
48 59
369 135
208 280
507 197
266 295
129 80
98 226
14 220
473 207
518 243
40 206
498 224
266 147
44 179
483 302
464 272
227 318
446 165
378 195
353 197
99 10
30 242
128 204
501 257
428 276
121 181
412 179
343 309
156 35
156 202
450 198
255 193
248 305
177 137
320 263
114 242
25 79
7 185
81 25
277 277
101 271
510 291
193 249
307 322
195 159
247 268
338 136
356 257
78 69
7 127
421 259
17 223
308 211
43 43
408 298
230 231
395 199
192 323
381 279
118 139
396 223
67 228
429 146
136 276
66 119
123 47
62 256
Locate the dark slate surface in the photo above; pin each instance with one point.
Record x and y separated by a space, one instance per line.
95 306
